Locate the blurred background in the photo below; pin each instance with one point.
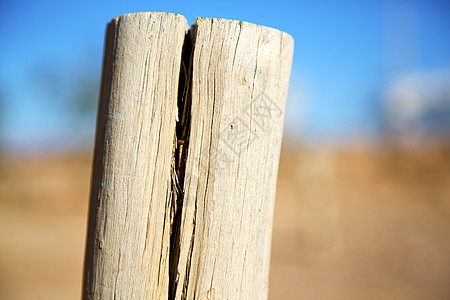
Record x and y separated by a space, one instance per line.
363 197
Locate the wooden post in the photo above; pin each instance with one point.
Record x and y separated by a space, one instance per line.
128 232
188 140
239 86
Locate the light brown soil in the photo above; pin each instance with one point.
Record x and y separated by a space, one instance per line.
349 224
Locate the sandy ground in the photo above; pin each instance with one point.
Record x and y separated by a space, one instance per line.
349 224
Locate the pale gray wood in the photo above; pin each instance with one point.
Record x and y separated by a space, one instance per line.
215 243
239 88
129 221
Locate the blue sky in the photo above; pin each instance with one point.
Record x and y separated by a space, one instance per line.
345 53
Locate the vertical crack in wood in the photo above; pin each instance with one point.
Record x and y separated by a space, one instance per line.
180 151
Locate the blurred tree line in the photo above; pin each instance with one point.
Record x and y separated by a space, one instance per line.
73 94
408 108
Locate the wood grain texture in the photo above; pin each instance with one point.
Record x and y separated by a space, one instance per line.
188 141
239 87
129 221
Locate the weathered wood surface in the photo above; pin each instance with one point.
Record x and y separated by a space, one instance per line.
239 87
129 222
221 171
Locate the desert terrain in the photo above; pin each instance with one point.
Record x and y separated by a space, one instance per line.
350 223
